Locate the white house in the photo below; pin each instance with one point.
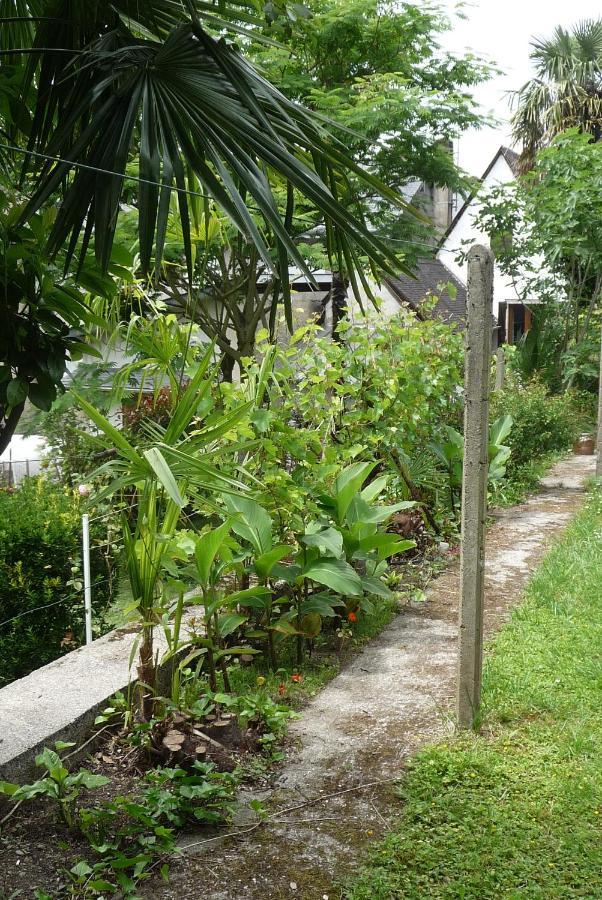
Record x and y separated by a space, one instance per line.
512 317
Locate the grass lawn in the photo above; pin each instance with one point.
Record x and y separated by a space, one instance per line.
516 812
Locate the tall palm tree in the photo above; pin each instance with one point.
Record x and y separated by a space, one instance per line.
162 84
566 91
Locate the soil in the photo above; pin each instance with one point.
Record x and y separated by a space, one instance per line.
336 791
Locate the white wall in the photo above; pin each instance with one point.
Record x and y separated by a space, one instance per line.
466 230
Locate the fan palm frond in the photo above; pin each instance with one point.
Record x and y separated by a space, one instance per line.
159 81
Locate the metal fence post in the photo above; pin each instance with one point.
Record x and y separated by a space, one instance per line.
87 578
474 481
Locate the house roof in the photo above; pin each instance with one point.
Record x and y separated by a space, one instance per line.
511 158
430 273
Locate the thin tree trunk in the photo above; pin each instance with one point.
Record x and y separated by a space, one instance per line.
338 298
146 675
8 427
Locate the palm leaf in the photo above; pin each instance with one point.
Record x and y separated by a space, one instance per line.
152 76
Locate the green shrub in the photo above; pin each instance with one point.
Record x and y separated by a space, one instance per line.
542 423
40 547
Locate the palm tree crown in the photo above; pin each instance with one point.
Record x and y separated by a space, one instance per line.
566 91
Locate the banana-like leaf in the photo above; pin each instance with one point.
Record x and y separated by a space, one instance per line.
229 623
347 485
251 522
336 574
265 563
329 540
207 548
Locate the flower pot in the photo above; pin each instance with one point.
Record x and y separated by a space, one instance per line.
585 445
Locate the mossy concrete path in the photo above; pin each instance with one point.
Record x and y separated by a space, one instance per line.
334 793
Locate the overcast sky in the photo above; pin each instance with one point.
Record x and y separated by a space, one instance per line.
501 30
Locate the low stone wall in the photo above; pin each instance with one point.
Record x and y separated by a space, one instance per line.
60 701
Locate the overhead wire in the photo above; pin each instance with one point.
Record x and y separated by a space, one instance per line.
179 190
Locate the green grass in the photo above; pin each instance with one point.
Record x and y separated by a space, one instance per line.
516 812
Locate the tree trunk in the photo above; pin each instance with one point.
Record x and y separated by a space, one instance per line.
146 675
227 367
9 424
338 298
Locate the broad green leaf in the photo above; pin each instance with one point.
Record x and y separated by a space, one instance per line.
81 869
283 626
265 563
7 788
376 487
16 391
330 540
250 521
250 596
500 429
207 548
336 574
348 484
373 585
386 544
319 603
229 623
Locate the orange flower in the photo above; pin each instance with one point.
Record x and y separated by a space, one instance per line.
352 617
282 689
295 677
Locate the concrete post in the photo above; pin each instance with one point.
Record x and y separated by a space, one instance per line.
474 481
500 368
599 442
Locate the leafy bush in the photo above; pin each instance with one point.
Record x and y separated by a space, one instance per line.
383 392
542 423
40 536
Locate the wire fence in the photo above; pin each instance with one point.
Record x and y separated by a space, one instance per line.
13 471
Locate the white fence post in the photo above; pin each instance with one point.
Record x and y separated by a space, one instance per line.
87 579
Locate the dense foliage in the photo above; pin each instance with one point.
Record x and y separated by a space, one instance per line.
541 423
40 566
546 228
97 98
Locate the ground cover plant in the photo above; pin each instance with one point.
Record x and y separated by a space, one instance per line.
515 810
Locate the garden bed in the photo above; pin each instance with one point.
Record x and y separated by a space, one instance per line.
31 836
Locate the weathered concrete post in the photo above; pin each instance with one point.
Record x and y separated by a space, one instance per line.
474 481
500 368
599 442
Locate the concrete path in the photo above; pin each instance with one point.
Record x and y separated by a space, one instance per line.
394 697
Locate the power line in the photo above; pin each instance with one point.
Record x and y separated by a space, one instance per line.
28 612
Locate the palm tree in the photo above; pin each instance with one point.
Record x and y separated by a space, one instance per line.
566 91
95 94
162 86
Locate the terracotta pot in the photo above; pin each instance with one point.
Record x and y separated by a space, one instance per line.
585 445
